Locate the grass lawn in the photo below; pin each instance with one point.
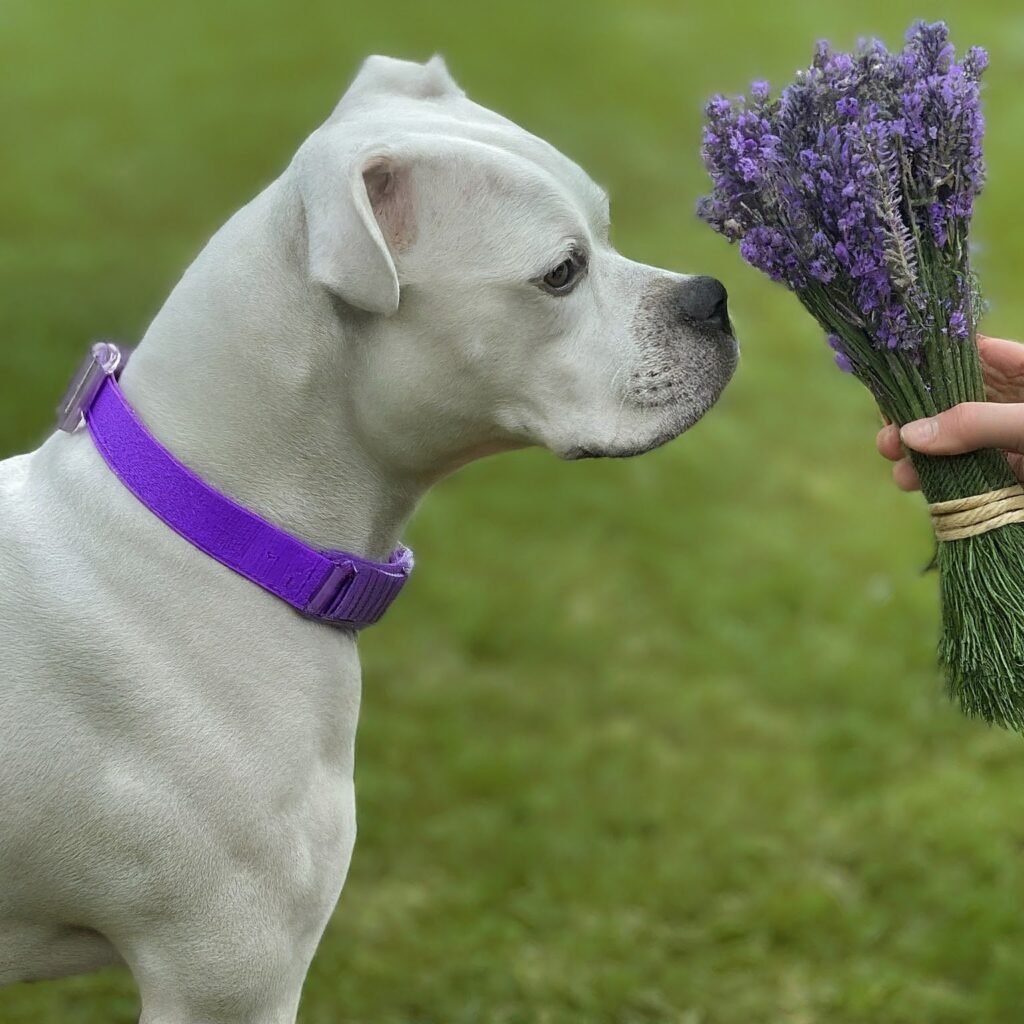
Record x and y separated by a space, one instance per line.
645 742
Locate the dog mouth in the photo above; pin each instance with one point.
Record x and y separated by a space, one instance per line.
680 426
578 454
683 416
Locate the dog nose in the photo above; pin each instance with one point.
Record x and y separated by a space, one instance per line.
705 300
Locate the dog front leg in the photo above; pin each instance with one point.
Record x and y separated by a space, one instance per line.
202 982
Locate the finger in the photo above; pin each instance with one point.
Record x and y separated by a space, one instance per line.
1002 365
906 476
967 427
1003 356
889 444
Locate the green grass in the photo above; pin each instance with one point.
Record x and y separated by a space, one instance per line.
654 742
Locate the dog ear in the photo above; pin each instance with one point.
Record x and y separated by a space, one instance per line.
389 185
385 76
348 197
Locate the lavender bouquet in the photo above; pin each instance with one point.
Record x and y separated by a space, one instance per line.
855 188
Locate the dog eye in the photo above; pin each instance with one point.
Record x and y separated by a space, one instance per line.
563 277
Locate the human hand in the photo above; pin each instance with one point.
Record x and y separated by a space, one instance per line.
997 423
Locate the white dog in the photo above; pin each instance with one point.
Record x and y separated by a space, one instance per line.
425 284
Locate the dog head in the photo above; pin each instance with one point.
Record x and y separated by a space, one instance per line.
487 309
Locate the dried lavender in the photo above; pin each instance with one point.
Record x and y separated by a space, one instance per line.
855 188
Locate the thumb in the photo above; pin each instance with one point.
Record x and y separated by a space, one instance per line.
967 427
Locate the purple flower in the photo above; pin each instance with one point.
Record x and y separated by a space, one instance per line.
975 62
937 222
770 250
958 326
862 172
842 359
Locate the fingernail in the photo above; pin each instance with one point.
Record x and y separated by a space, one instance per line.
920 431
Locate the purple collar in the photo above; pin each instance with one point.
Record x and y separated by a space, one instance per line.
331 586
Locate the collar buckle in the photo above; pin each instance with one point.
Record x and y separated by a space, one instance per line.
332 590
356 591
105 360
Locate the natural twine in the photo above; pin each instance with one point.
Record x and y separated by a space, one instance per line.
969 517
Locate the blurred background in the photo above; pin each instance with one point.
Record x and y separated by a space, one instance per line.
648 741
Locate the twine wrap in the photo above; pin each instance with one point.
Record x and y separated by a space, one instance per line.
969 517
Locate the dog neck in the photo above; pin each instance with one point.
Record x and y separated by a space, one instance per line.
242 376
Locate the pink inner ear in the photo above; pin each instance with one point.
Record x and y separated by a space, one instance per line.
390 189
